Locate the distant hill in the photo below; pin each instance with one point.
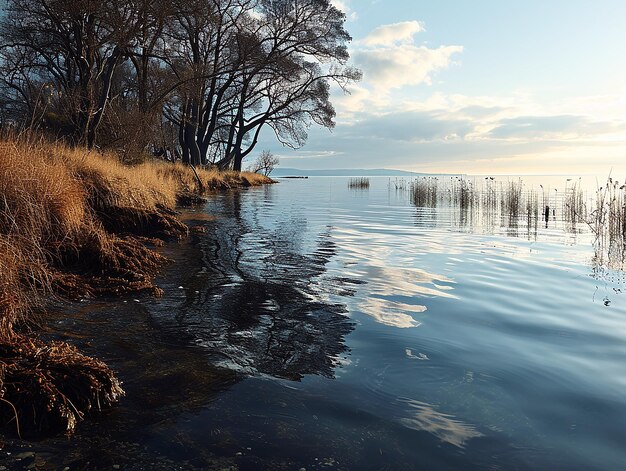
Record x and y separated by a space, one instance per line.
343 172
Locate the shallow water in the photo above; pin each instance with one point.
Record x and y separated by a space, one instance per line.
313 326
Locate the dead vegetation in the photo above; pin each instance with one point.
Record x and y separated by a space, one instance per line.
74 224
51 386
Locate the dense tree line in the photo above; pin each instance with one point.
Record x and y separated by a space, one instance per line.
201 78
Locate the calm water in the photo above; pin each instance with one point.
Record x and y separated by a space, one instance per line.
318 327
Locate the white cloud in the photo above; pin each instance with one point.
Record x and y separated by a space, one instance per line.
360 99
391 59
396 33
307 155
387 68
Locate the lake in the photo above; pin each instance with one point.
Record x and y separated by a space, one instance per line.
320 327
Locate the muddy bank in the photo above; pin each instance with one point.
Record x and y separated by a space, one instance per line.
77 225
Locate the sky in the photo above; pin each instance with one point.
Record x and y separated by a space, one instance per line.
481 87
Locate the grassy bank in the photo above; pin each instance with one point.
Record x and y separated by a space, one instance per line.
76 224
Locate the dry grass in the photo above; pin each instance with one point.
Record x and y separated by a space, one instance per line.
71 223
52 217
212 180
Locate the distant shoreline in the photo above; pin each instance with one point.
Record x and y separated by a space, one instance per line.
356 172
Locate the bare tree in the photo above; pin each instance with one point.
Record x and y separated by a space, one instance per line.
305 46
68 53
265 163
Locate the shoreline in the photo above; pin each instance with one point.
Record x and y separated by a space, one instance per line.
162 377
78 225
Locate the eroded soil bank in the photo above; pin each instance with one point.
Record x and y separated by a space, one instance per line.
78 225
162 377
207 346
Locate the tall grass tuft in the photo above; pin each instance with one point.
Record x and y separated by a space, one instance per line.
574 206
425 192
398 184
607 220
511 202
532 212
359 183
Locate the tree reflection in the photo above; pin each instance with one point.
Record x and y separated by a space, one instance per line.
259 305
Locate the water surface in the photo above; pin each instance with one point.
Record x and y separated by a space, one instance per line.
313 326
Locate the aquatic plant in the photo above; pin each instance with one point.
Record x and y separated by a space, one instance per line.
607 221
511 200
359 183
424 192
511 204
486 199
398 184
532 211
574 207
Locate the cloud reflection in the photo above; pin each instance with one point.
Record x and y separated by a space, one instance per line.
396 294
425 417
391 313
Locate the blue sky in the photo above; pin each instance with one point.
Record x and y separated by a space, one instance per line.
486 86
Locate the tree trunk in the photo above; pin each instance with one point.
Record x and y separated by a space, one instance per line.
204 151
103 100
238 159
192 145
183 145
225 163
